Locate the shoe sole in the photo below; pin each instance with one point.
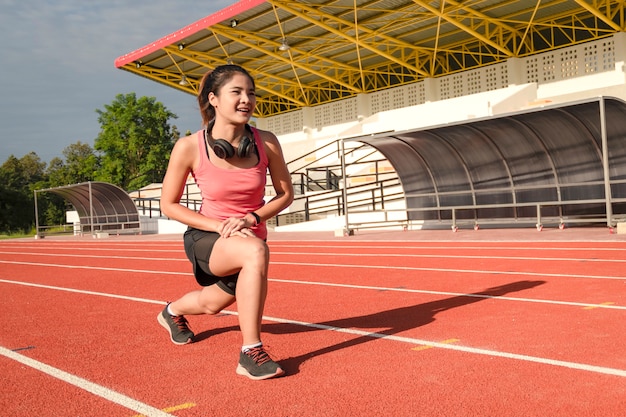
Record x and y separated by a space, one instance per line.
163 323
243 371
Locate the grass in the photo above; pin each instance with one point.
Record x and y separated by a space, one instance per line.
16 235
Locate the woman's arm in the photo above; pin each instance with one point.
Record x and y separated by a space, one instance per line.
281 179
182 159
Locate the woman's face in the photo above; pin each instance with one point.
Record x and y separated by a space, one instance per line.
236 99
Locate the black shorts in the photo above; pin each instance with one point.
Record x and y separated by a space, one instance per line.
198 247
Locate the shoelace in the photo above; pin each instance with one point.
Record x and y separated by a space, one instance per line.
258 355
181 322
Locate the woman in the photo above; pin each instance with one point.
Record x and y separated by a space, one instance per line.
225 240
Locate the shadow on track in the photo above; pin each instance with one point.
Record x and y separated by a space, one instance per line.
391 321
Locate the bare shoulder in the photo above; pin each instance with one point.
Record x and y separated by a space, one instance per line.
269 140
186 149
187 142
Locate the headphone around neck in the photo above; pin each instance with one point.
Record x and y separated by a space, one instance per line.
224 150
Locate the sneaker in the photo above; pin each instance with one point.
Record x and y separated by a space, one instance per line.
177 326
256 364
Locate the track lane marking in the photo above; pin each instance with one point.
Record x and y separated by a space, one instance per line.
330 284
98 390
278 244
429 256
76 255
360 255
309 264
411 244
87 292
606 303
460 348
423 347
184 406
376 335
464 271
98 268
453 294
454 270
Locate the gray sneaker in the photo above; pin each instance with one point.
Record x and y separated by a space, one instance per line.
177 326
256 364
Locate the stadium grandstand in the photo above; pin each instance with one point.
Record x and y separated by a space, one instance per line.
413 114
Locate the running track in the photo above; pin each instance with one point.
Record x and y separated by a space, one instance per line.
474 323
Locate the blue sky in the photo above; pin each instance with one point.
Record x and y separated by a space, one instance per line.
58 67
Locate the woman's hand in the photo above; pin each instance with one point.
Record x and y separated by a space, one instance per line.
235 226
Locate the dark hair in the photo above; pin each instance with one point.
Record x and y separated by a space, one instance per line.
213 81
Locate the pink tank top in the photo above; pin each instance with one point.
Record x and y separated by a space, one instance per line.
232 192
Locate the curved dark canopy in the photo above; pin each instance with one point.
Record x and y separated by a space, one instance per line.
101 206
503 167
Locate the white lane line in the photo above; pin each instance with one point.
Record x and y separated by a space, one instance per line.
98 268
308 264
76 255
359 255
458 271
74 290
329 284
507 355
99 390
91 246
408 245
374 335
83 249
433 256
452 294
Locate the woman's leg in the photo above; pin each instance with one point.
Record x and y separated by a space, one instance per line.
250 257
208 300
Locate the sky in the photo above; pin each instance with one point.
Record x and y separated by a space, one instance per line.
57 67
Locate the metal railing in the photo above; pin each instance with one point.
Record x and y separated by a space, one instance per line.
318 205
322 195
317 177
560 211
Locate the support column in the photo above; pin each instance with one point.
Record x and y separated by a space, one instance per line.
431 92
308 122
515 71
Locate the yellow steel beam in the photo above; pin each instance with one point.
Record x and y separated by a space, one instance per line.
360 52
282 81
306 12
279 57
465 28
597 13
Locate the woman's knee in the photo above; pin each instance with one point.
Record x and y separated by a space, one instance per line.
234 254
252 252
212 299
210 309
259 250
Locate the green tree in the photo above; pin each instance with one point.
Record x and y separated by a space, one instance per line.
56 172
20 173
135 141
18 180
81 165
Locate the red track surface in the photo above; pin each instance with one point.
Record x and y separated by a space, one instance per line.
475 323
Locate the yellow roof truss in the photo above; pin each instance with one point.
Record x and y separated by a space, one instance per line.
341 48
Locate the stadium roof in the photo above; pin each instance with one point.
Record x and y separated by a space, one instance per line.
309 53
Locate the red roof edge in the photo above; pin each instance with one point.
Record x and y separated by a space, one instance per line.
226 13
